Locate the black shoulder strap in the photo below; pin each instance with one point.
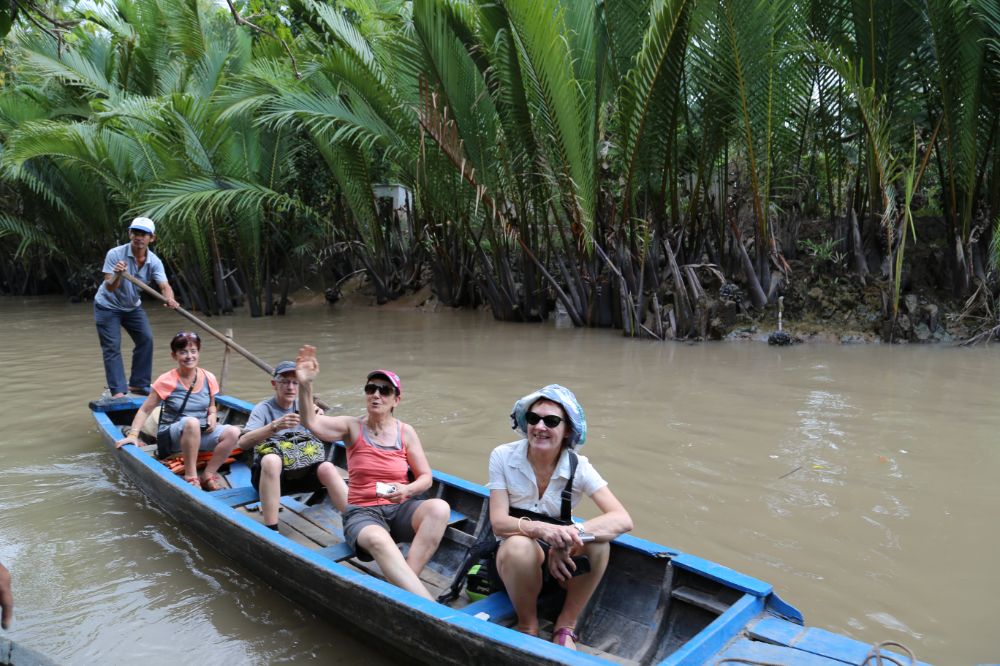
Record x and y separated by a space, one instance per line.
486 546
566 514
180 410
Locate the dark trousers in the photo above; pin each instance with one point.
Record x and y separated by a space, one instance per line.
109 331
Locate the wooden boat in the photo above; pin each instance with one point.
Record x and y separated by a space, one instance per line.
12 654
655 605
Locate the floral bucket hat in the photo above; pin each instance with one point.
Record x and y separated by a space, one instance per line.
560 395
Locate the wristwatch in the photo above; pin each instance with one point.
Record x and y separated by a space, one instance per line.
579 528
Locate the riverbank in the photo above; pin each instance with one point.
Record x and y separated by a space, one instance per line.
819 306
847 310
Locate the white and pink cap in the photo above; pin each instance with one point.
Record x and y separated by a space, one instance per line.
390 377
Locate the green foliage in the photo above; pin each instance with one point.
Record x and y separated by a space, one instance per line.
822 251
550 147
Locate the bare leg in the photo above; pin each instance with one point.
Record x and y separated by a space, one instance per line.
429 522
377 541
519 561
270 487
190 439
334 484
227 442
580 588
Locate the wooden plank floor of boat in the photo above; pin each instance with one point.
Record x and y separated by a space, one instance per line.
319 526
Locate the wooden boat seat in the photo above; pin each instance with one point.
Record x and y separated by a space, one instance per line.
237 496
700 599
301 514
239 475
337 552
497 606
341 551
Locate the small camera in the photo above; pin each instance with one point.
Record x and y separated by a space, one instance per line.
383 489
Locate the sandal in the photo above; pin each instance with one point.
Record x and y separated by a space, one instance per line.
566 637
193 480
211 482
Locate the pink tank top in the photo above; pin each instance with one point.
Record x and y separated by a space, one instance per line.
368 464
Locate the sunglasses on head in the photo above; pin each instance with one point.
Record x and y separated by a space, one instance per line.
384 389
189 335
551 421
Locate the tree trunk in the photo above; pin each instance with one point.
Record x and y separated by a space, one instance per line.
860 263
960 278
682 306
757 295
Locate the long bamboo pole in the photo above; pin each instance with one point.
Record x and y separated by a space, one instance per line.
229 342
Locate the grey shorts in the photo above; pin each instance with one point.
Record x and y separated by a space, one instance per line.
172 434
396 519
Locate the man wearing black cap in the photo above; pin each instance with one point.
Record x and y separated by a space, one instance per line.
275 419
117 305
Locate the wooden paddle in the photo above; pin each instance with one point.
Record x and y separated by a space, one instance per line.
263 365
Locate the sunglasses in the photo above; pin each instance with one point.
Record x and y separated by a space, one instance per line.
551 421
384 389
188 335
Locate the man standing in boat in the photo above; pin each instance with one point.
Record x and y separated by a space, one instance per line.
117 305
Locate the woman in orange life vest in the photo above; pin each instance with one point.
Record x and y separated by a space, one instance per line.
382 505
188 421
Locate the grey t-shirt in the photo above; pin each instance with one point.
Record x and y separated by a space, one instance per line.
126 297
265 412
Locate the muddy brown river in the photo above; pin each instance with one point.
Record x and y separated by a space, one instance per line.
860 481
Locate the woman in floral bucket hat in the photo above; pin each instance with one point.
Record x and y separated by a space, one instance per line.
530 511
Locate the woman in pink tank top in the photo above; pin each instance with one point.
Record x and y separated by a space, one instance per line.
388 471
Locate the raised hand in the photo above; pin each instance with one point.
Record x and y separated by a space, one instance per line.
306 365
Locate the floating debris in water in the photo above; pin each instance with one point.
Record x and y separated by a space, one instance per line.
779 338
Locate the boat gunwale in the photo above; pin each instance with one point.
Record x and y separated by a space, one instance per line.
387 592
724 628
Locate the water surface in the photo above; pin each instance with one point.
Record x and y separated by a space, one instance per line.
859 481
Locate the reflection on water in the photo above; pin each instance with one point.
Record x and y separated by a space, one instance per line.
859 481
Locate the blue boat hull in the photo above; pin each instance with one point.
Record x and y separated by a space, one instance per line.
655 605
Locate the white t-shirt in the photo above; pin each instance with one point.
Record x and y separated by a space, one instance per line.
511 471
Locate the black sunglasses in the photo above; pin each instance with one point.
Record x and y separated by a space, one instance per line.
551 421
384 389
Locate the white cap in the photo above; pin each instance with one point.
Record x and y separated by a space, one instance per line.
143 224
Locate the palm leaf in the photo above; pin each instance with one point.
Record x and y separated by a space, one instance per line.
28 235
216 198
649 93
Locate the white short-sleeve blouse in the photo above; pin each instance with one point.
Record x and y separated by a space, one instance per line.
511 471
